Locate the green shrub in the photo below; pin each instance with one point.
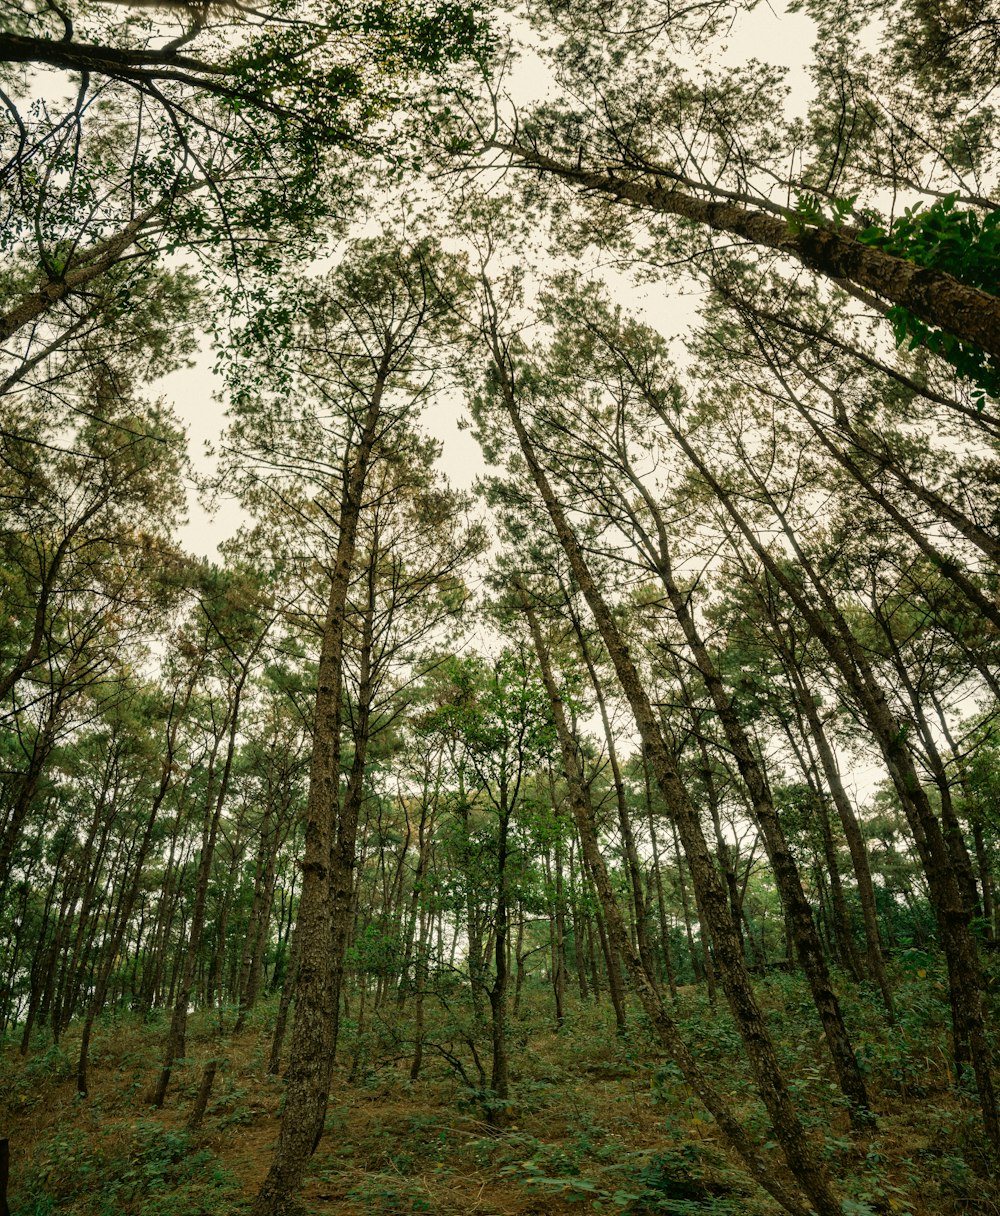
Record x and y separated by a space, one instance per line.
140 1169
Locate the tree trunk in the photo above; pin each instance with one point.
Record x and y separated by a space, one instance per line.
696 963
799 1154
783 1190
798 913
660 902
934 296
177 1033
952 915
317 1000
500 1072
852 833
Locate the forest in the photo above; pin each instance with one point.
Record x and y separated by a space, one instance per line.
609 822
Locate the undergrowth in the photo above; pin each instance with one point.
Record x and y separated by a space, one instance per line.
124 1169
597 1121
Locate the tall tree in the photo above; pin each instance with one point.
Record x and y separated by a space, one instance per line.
496 715
511 379
321 448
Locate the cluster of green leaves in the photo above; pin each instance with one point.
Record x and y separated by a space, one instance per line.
960 242
941 237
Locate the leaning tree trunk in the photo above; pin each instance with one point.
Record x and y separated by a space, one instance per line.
798 914
762 1057
935 296
952 915
782 1189
852 834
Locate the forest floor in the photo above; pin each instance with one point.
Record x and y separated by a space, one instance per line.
597 1122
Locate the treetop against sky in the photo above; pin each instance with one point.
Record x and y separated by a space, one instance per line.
719 116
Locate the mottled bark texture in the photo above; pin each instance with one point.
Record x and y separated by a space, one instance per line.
316 988
951 910
782 1189
761 1055
934 296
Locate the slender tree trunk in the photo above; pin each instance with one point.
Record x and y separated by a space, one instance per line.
579 927
799 1154
519 967
696 962
705 942
284 1005
555 947
660 901
952 914
843 937
633 864
814 1182
317 996
932 295
852 833
177 1033
420 980
344 852
798 913
500 1071
722 849
252 957
616 988
985 876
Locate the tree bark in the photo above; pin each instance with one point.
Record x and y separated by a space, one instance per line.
317 1001
799 1153
852 833
652 1001
85 266
802 929
934 296
952 915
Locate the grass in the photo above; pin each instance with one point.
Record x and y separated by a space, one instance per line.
598 1122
